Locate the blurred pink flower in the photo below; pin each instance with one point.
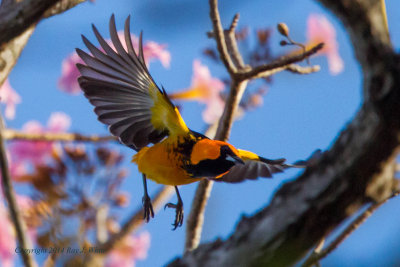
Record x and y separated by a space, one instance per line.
10 98
38 152
7 238
58 122
68 81
153 50
132 248
319 29
69 74
205 89
255 99
7 232
16 169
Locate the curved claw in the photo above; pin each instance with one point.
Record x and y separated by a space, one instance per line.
178 213
148 208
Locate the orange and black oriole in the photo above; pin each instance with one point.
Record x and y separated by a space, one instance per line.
117 82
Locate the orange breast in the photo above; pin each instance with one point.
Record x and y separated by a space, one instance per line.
159 164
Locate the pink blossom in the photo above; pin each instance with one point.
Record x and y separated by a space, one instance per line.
68 81
10 98
153 50
38 152
132 248
17 169
7 238
205 89
256 99
58 122
319 29
7 232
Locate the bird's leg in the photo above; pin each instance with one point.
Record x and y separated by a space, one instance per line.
148 208
178 210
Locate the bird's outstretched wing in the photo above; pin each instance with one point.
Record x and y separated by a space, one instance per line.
255 166
253 169
119 85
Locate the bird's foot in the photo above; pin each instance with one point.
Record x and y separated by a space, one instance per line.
178 213
148 208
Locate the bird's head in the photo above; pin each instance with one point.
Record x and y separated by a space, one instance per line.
211 158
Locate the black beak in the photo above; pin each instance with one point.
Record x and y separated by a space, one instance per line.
234 159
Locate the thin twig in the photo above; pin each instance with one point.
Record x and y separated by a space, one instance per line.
234 23
303 70
292 68
317 256
239 83
231 43
259 71
220 38
101 223
132 224
196 216
203 191
11 134
317 251
326 190
20 227
226 121
194 223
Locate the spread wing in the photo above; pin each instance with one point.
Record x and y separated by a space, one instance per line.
126 98
255 166
252 169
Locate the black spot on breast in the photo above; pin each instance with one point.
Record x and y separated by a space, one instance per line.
185 147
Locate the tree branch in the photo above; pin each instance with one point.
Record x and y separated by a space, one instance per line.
61 6
11 134
16 218
283 63
132 224
195 221
203 191
231 43
302 70
322 253
16 18
6 3
220 38
227 118
11 50
240 74
357 169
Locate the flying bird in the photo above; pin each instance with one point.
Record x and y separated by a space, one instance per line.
117 82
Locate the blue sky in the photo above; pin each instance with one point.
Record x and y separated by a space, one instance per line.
299 115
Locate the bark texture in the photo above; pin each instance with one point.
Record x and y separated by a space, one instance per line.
356 170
